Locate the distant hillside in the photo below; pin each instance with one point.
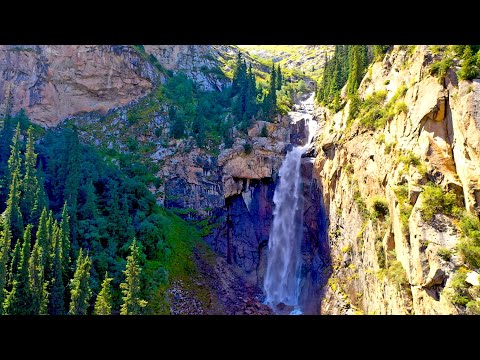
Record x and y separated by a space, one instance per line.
307 59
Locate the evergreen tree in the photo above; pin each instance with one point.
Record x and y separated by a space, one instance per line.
36 272
72 180
56 305
15 160
43 238
131 288
80 285
14 262
355 74
271 103
103 304
30 187
12 212
5 241
177 124
469 69
279 78
65 239
19 301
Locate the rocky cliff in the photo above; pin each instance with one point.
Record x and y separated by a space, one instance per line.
386 257
53 82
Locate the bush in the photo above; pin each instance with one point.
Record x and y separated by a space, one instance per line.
440 68
380 253
435 201
264 132
401 107
397 274
248 148
469 245
445 254
459 287
380 207
388 148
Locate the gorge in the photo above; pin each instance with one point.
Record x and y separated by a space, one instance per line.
240 180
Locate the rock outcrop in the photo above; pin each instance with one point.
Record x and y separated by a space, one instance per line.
392 264
54 82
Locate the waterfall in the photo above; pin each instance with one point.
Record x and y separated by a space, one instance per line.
282 278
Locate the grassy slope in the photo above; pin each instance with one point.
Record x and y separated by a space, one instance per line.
300 57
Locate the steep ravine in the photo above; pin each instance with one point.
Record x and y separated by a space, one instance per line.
380 266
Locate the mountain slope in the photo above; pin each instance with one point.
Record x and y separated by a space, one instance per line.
399 177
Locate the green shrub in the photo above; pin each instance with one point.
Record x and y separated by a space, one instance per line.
409 159
380 207
459 286
401 107
264 132
440 68
435 201
388 148
248 148
445 254
469 245
396 273
380 139
386 82
361 206
380 253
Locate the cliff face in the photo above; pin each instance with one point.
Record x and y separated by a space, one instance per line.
55 82
434 137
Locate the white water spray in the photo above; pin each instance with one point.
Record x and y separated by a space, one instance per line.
282 278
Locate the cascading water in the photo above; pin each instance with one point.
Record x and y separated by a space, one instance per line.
282 278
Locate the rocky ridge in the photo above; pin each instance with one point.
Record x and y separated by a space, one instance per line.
439 128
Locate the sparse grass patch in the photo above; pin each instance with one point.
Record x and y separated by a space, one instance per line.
445 254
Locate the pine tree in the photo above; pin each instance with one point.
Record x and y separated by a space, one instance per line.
14 262
355 74
5 241
132 304
36 272
72 181
12 212
19 301
177 128
65 239
30 187
80 285
469 69
279 78
271 106
103 304
43 239
57 292
14 161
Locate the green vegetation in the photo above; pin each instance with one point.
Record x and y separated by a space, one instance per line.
81 220
445 254
379 207
264 131
469 245
347 66
435 201
361 205
406 208
380 251
470 61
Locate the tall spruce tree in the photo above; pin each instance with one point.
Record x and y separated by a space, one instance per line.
5 243
19 301
12 211
279 78
65 239
80 286
103 304
36 272
131 288
56 305
29 203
